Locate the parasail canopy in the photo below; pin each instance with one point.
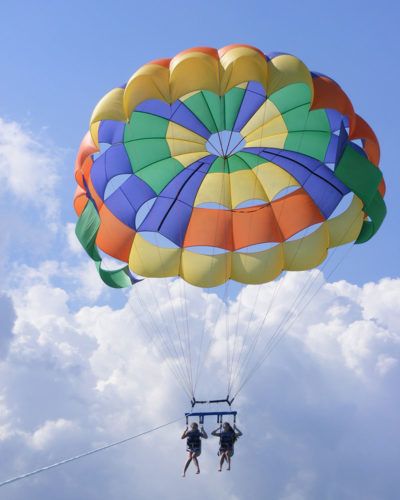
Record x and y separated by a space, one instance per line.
226 164
217 159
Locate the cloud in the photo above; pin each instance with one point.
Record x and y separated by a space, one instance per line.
50 432
27 167
7 319
319 417
29 203
73 242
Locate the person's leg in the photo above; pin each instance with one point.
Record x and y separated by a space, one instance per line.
228 459
196 462
187 463
221 462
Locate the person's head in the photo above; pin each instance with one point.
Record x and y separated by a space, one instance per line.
227 427
194 426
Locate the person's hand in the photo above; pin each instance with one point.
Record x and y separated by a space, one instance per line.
234 426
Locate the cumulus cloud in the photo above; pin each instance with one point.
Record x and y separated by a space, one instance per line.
27 167
30 221
7 319
73 242
320 417
49 432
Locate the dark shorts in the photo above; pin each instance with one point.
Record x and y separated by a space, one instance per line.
230 451
196 451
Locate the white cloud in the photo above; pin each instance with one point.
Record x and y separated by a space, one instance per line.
73 242
49 432
385 363
323 405
7 319
78 275
5 423
88 285
381 301
300 486
27 167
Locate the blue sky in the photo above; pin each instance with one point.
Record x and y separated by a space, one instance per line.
75 376
61 57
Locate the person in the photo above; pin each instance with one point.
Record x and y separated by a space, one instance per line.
193 445
227 437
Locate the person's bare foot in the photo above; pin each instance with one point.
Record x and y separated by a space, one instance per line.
198 471
183 475
219 470
228 468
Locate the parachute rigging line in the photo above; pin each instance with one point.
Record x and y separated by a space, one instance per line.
185 328
249 228
86 454
291 316
185 351
241 364
203 355
164 348
176 370
183 379
269 124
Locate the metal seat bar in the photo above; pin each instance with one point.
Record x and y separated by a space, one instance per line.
194 401
218 414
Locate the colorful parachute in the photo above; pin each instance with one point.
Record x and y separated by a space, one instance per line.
214 164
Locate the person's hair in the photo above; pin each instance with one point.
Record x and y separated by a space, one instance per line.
194 424
231 429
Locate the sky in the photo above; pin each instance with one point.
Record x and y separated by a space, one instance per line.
320 417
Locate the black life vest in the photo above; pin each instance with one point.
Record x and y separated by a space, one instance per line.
227 440
193 440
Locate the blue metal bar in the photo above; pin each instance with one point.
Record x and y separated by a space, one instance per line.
194 401
218 414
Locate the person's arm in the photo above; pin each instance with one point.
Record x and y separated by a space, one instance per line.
203 433
185 433
238 432
217 432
